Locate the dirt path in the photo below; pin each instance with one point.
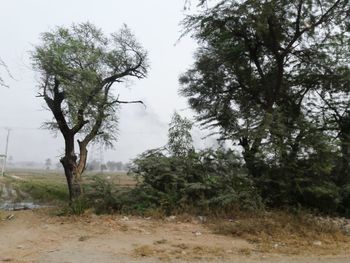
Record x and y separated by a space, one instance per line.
33 236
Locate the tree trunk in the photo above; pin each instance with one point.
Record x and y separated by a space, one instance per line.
72 177
72 169
82 158
249 156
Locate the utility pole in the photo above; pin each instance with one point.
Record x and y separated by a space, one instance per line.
6 150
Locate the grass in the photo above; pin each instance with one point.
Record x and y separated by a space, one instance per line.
45 191
39 188
50 187
284 232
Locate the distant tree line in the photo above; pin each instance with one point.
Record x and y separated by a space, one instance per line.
111 166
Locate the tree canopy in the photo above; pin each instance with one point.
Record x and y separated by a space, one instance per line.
180 141
257 65
273 78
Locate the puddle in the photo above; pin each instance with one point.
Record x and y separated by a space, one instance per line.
9 199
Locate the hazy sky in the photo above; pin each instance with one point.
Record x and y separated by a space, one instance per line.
155 24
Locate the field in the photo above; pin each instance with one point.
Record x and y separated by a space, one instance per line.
41 235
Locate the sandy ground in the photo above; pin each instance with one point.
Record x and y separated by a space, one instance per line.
34 236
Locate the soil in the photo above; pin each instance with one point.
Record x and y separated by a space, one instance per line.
37 236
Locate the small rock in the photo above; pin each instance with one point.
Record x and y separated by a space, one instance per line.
10 217
183 252
158 242
202 219
346 228
197 233
275 245
171 218
125 218
83 238
93 216
229 251
20 247
317 243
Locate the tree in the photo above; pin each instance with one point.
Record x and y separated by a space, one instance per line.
179 136
257 63
4 67
93 165
333 115
79 67
114 166
48 163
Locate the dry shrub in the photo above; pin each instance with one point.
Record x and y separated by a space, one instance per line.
285 232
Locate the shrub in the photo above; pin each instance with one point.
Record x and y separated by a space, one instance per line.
325 197
345 205
200 181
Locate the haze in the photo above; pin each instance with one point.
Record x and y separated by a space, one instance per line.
155 23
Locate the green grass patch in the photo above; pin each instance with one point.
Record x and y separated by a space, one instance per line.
45 191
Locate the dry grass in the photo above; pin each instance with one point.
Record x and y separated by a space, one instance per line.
180 252
286 233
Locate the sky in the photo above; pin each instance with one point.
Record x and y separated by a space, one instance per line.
156 25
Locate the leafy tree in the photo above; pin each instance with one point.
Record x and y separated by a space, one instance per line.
179 136
257 63
79 67
331 109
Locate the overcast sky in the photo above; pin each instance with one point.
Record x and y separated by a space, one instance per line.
155 24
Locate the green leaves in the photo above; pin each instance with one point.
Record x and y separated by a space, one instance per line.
258 66
201 181
86 64
179 136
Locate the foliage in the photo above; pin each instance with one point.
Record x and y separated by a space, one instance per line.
179 136
273 78
102 195
345 204
256 63
325 197
44 191
203 181
86 63
79 69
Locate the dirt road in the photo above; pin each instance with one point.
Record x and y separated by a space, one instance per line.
33 236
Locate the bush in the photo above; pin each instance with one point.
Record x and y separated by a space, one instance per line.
102 195
345 205
205 181
325 197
